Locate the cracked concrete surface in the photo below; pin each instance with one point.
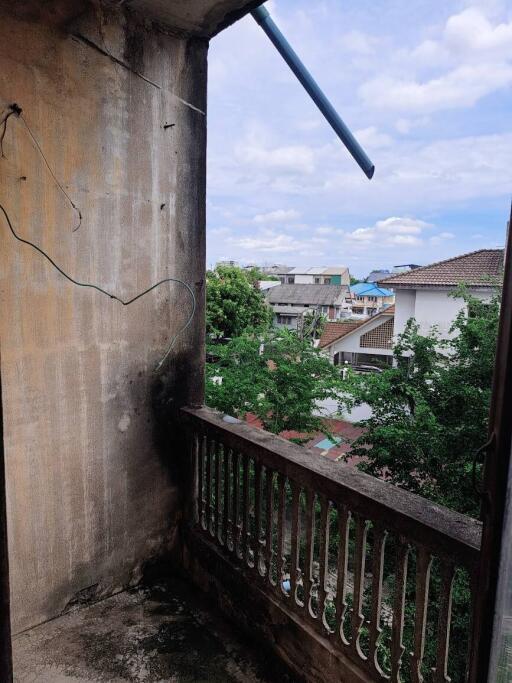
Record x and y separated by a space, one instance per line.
151 634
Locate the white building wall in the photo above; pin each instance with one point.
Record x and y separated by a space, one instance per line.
305 279
435 307
430 307
405 302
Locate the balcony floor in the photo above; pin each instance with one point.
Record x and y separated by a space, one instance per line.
164 633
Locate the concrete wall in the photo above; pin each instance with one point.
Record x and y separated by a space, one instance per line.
430 307
405 302
436 307
90 498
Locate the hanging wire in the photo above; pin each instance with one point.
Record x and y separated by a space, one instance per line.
11 110
57 182
15 109
109 294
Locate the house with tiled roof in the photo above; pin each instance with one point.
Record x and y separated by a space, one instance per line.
426 293
291 302
318 275
364 342
368 298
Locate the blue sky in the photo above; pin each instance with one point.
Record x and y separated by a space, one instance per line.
427 89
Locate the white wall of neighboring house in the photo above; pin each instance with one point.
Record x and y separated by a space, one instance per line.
405 302
431 307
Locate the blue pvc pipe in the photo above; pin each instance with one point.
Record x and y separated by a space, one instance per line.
312 88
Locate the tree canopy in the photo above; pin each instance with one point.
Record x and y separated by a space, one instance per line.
275 375
233 303
429 414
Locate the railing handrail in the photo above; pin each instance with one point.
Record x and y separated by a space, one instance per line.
442 531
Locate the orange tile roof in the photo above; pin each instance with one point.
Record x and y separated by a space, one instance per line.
476 269
334 331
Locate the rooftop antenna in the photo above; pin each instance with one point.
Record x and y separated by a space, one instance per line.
289 55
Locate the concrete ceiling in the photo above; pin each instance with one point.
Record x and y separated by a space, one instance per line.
202 18
194 17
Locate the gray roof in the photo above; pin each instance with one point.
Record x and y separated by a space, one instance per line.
335 270
290 310
318 295
377 275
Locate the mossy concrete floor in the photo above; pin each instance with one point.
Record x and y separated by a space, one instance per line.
163 633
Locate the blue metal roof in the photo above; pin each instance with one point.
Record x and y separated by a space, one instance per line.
369 289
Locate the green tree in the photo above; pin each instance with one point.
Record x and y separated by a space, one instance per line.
429 414
233 303
274 375
313 325
429 417
255 274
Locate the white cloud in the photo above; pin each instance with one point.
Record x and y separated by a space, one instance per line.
441 237
405 126
327 230
404 240
472 54
358 42
269 242
294 159
462 87
472 31
396 225
278 216
372 138
391 231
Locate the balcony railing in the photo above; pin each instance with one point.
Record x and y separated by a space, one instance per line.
360 570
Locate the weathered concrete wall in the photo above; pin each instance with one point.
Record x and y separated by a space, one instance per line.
90 498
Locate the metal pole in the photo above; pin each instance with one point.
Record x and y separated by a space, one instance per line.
5 618
313 89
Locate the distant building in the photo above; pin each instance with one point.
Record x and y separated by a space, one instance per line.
278 269
365 342
317 276
263 285
291 301
377 275
424 293
369 299
405 267
230 264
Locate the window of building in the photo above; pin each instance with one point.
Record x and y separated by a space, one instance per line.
317 281
373 359
327 280
291 279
